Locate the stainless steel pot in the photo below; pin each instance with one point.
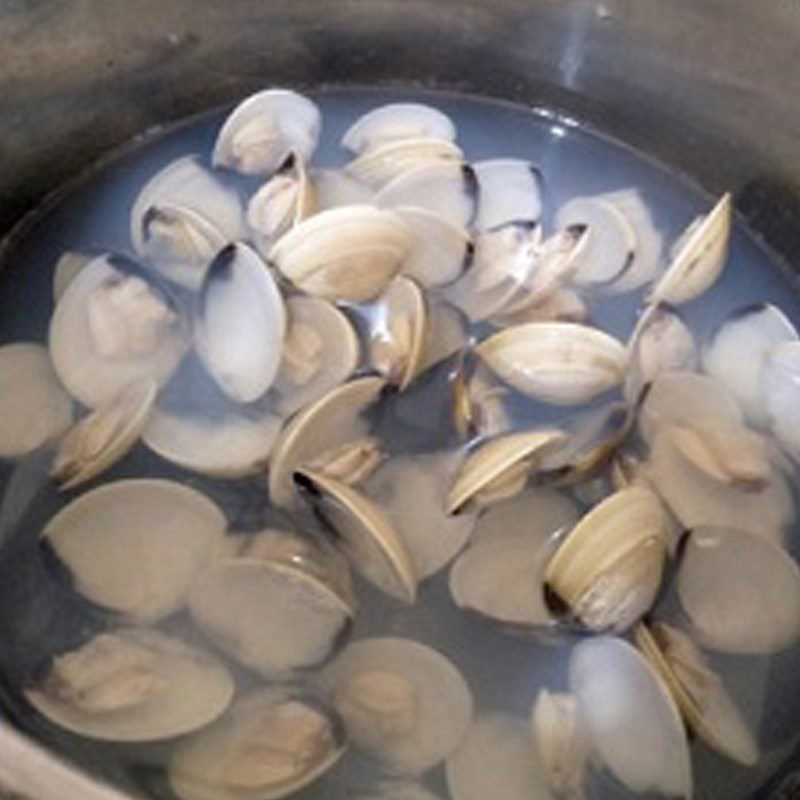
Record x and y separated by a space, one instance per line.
709 86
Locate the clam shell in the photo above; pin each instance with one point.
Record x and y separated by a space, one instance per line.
741 592
383 162
240 323
36 408
334 188
133 685
264 128
439 702
780 371
270 744
104 436
395 122
349 253
492 461
69 264
365 534
446 334
633 724
328 423
558 362
698 258
135 546
563 305
510 190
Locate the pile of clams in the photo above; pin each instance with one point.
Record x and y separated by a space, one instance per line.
266 318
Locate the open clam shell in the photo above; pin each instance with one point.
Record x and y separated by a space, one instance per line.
36 408
741 592
104 436
607 569
698 257
364 533
501 463
397 121
349 253
114 324
69 264
402 702
135 546
633 724
264 128
336 419
558 362
270 744
510 190
270 613
698 691
132 685
500 575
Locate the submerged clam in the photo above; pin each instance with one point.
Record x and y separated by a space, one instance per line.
698 691
135 546
607 569
397 121
402 702
36 409
509 190
271 743
132 685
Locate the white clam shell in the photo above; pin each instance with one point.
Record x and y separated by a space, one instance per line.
740 591
781 380
36 409
383 162
510 190
447 334
561 363
140 309
135 546
334 188
271 743
240 323
441 702
349 253
737 352
264 128
69 264
698 258
187 687
395 122
633 723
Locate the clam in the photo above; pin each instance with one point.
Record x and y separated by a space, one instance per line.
36 409
349 253
334 188
607 569
285 200
478 401
271 743
741 592
364 533
240 323
562 363
132 685
780 371
323 427
402 702
446 334
447 188
560 738
395 122
399 332
563 305
500 467
510 190
182 217
135 546
496 759
383 162
737 352
410 489
501 573
320 352
69 264
262 130
104 436
440 249
698 257
698 691
271 612
633 724
114 324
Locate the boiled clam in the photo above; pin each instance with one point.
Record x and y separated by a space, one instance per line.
395 122
381 163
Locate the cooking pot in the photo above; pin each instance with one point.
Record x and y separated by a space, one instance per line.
709 87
